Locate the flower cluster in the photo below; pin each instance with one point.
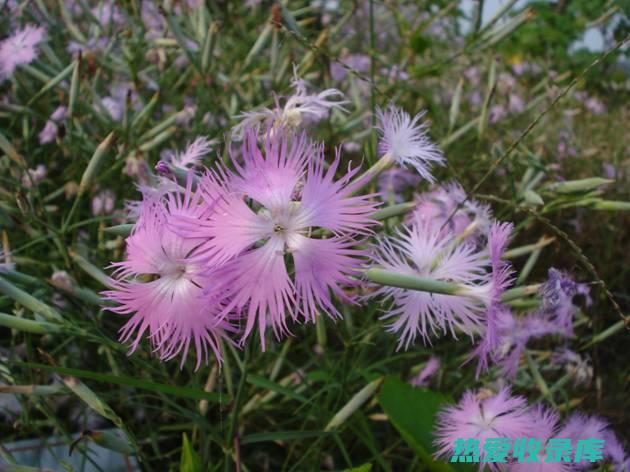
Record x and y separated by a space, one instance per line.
483 414
274 237
269 241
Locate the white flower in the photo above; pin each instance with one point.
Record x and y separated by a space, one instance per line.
405 141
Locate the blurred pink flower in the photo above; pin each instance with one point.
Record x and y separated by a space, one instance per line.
19 48
578 367
49 133
516 104
429 370
34 176
501 278
191 156
393 182
447 206
103 203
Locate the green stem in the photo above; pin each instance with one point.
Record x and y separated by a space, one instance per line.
424 284
233 428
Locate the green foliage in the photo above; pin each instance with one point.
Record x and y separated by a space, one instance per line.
190 460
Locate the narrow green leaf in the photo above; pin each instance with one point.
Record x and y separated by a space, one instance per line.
96 161
424 284
10 151
110 441
281 436
86 394
28 300
90 269
356 402
393 210
190 460
120 230
28 326
146 111
273 386
577 186
532 198
74 87
361 468
183 392
611 205
53 82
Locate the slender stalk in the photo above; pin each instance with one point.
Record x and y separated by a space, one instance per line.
538 378
384 163
354 404
233 427
393 210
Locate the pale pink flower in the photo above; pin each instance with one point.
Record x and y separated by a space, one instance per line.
300 109
447 207
578 367
544 427
50 131
482 415
515 332
298 211
161 285
501 278
558 298
103 203
393 182
19 48
34 176
405 141
579 427
191 156
429 370
425 251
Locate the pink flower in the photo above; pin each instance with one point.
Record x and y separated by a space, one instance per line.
107 14
191 156
49 133
501 279
405 140
34 176
579 426
497 113
481 416
429 370
615 452
393 182
19 48
300 109
578 367
280 205
544 427
161 285
558 294
425 251
103 203
446 206
516 104
514 333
